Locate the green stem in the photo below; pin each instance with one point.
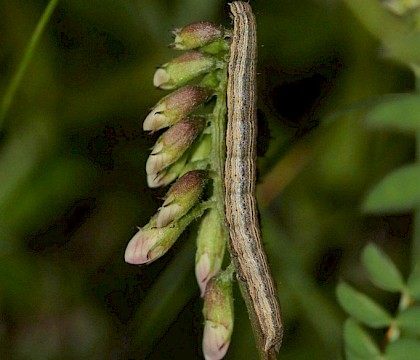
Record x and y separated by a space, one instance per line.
27 56
218 154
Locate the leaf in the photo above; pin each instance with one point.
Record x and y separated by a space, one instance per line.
358 343
398 191
410 320
362 307
402 114
413 284
403 349
381 269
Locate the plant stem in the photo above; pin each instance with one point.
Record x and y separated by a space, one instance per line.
218 153
27 56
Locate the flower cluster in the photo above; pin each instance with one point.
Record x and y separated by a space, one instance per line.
184 153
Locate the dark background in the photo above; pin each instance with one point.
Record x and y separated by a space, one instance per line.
73 188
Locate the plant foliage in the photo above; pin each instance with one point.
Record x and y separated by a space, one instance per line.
402 339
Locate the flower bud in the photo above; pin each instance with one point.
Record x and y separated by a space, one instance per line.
150 243
173 144
168 174
196 35
181 197
175 106
183 69
210 248
218 316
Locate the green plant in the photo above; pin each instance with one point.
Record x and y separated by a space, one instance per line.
398 192
402 337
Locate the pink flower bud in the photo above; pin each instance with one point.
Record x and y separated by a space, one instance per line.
218 316
183 69
167 175
155 239
172 145
176 106
149 244
181 197
196 35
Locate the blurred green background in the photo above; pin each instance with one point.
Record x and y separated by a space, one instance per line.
73 187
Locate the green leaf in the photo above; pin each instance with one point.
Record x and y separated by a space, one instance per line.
358 343
403 349
381 269
413 284
410 320
402 114
362 307
398 191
